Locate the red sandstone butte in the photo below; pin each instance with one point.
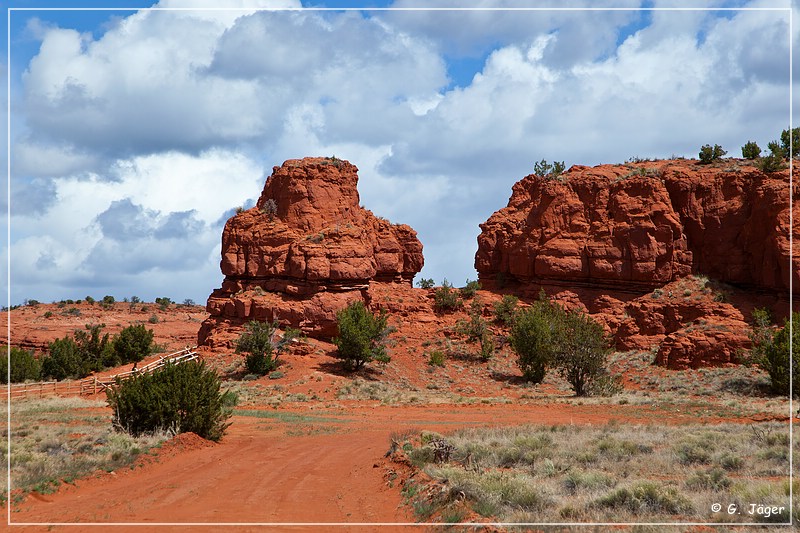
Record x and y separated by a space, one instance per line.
639 226
625 230
304 251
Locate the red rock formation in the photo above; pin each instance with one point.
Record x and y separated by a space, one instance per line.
304 251
639 226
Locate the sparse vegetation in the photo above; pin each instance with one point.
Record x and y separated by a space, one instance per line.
436 358
470 289
583 473
270 209
79 443
505 309
445 298
549 171
426 283
771 163
362 336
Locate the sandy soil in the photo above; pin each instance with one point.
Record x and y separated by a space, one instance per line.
317 454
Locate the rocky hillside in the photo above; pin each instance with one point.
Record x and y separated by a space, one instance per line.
304 251
641 225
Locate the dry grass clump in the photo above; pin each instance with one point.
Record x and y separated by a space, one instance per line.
58 440
612 473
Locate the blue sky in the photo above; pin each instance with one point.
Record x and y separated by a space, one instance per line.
135 134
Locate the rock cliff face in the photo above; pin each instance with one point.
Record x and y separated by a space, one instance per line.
304 251
622 240
639 226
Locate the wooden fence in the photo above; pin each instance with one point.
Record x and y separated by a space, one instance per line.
92 385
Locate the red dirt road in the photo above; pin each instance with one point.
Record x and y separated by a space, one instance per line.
288 466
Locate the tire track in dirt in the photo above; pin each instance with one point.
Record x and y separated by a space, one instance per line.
253 476
288 467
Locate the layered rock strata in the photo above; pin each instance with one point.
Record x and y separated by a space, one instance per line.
639 226
304 251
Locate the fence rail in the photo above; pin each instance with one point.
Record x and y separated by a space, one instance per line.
93 385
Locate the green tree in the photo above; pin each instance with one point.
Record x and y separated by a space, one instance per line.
362 336
180 398
794 141
709 154
64 360
132 344
24 366
533 335
425 283
771 350
580 351
95 347
258 341
751 150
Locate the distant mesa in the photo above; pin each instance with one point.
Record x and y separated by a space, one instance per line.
304 251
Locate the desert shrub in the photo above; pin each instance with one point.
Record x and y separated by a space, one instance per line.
425 283
64 360
445 298
132 344
153 318
646 497
163 303
504 310
605 384
436 358
470 289
487 345
270 209
751 150
48 314
89 300
259 344
714 479
708 154
24 366
108 300
771 350
180 398
188 302
532 337
771 163
362 336
474 328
